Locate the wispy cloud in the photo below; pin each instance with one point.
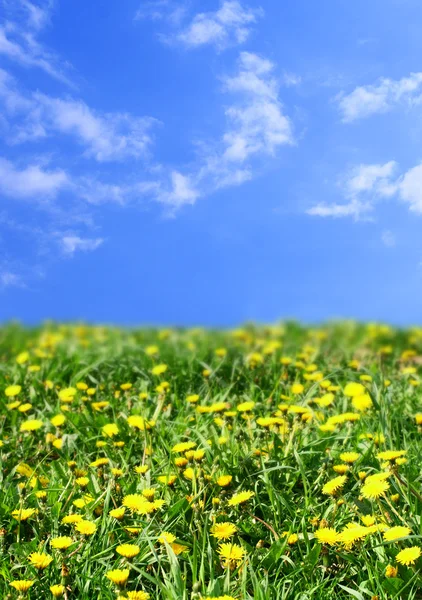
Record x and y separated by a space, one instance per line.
172 11
74 243
32 181
105 136
230 25
379 97
10 279
365 185
388 238
18 38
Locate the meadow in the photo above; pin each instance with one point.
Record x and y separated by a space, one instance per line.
266 462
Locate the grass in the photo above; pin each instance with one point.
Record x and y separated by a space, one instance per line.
270 407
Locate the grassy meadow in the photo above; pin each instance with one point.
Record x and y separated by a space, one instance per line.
260 463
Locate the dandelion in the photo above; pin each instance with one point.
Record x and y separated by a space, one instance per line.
118 576
23 514
40 560
128 550
223 531
137 595
110 429
408 556
118 513
395 533
224 480
57 590
334 485
166 537
349 457
61 543
31 425
391 571
85 527
240 498
231 554
327 535
374 489
22 585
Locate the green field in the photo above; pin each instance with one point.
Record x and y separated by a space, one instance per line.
264 462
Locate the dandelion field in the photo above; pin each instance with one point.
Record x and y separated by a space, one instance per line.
261 463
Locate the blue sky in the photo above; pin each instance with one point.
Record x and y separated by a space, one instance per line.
210 162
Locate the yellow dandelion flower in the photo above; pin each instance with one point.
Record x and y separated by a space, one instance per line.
374 489
31 425
224 480
166 537
22 585
61 543
231 554
85 527
408 556
40 560
395 533
349 457
23 513
223 531
137 595
12 390
240 498
57 590
118 576
118 513
110 429
332 486
128 550
327 535
391 571
183 447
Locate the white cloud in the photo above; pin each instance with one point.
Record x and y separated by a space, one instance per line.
410 188
30 182
229 25
162 10
365 185
379 97
10 279
372 178
20 46
105 136
73 243
351 209
388 239
257 124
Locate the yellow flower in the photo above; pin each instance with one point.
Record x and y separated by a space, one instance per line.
23 513
327 535
354 389
141 469
292 539
374 489
240 498
362 402
58 420
224 480
138 422
395 533
231 554
118 576
167 479
408 556
183 447
40 560
391 571
128 550
22 358
67 394
82 481
61 543
85 527
70 519
22 585
245 406
166 537
332 486
223 531
297 388
12 390
110 429
390 454
118 513
137 595
57 590
349 457
31 425
159 369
